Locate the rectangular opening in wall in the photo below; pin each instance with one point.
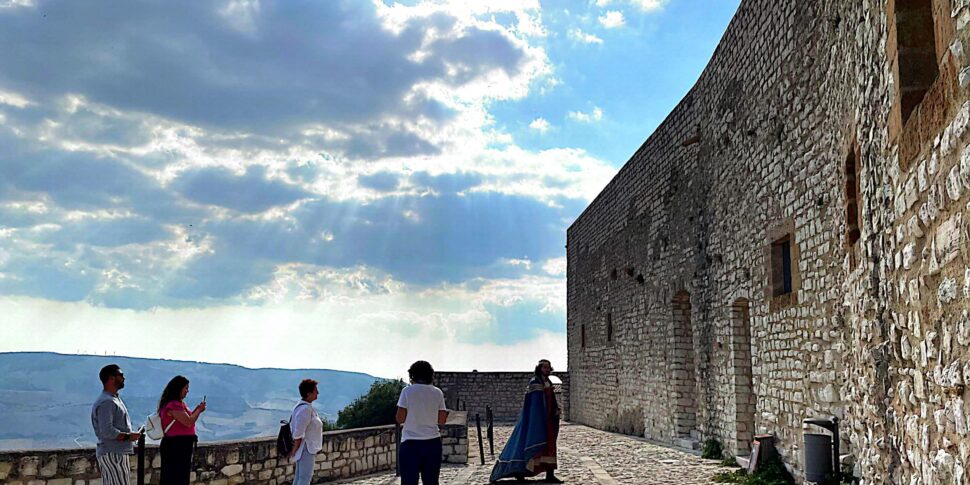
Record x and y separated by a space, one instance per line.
781 266
582 336
852 199
609 327
916 52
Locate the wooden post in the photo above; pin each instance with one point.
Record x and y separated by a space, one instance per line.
491 433
481 445
140 450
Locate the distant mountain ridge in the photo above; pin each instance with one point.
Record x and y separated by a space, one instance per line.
45 398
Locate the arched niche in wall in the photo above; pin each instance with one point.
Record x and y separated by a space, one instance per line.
681 366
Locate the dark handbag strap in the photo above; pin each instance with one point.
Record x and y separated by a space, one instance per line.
292 414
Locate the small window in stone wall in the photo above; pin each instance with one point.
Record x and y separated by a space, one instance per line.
916 52
609 327
582 336
852 198
781 266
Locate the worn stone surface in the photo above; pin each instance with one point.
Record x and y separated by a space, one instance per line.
681 324
587 456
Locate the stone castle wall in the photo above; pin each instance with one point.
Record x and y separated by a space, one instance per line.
503 391
345 454
680 324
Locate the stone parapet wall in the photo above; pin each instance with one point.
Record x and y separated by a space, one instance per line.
800 139
454 444
503 391
345 454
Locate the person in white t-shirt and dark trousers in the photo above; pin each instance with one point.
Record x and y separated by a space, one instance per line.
307 429
420 409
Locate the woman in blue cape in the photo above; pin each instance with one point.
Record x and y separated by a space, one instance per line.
531 448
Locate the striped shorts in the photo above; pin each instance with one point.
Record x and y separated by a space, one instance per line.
115 469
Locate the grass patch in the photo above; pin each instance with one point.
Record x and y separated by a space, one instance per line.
770 473
734 476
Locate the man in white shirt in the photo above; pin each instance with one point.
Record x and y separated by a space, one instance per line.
420 409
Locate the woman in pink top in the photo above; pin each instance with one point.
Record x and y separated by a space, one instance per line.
179 425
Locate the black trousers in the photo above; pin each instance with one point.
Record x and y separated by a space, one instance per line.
176 454
420 457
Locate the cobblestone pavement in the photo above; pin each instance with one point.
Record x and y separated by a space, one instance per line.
586 456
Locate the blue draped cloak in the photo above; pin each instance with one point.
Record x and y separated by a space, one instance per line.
531 448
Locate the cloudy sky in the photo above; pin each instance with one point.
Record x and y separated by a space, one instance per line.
339 184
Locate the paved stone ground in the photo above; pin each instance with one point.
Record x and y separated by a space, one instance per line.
586 456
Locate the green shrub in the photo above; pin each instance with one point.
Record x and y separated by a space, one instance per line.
376 408
729 461
712 449
772 472
330 425
734 476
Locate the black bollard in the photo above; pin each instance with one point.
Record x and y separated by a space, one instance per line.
491 433
141 459
481 445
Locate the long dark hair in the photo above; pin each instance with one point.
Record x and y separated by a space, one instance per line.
173 391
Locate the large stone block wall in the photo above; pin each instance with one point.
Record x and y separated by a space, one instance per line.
345 454
503 391
674 331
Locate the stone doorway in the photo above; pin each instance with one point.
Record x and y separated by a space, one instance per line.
744 396
683 383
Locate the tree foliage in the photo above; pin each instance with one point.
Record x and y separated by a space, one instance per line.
376 408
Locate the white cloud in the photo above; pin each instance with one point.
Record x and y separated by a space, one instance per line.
241 14
555 267
545 175
540 125
163 142
612 19
391 330
16 3
581 36
648 5
13 99
595 115
643 5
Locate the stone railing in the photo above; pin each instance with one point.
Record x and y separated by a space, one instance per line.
502 391
345 454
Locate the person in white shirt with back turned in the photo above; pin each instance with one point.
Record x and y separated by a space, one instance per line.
421 408
307 429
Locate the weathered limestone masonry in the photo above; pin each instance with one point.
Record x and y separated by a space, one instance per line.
345 454
792 242
503 391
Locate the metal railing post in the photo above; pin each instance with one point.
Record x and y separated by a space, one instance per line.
481 445
491 433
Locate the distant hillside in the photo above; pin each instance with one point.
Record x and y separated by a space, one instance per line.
45 398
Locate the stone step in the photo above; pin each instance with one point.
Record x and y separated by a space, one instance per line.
743 461
687 443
